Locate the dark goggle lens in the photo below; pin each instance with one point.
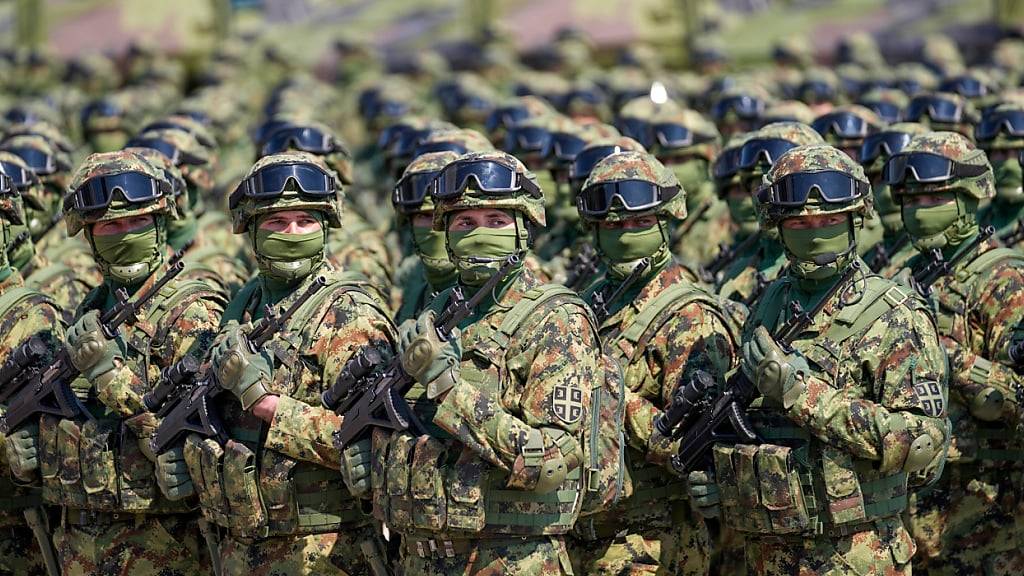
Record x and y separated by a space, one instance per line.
727 164
937 109
98 192
206 142
922 167
407 143
504 118
40 162
428 147
172 152
770 150
672 136
390 135
886 110
490 177
745 107
831 186
584 162
816 92
584 96
888 143
303 138
271 181
966 87
1010 122
843 125
564 147
411 190
18 176
635 128
633 195
527 139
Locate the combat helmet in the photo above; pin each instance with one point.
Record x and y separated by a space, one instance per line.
815 180
1001 134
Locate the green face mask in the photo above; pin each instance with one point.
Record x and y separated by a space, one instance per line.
807 244
888 210
108 141
479 252
20 254
621 248
288 257
547 185
743 213
929 225
131 256
1009 180
693 175
430 248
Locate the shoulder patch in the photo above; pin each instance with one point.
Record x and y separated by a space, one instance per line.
567 403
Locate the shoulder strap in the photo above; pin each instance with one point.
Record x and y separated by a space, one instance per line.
173 300
235 309
672 298
310 314
879 297
533 300
15 296
985 261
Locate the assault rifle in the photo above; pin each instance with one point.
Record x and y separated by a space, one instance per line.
190 410
51 392
376 399
600 303
726 255
581 268
22 361
696 418
938 266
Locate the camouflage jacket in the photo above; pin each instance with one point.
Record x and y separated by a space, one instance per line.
697 238
740 280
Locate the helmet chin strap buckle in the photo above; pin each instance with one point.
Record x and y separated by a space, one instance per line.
130 270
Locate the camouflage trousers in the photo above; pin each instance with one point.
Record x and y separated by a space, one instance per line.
19 551
970 523
727 553
533 556
333 553
885 551
674 541
165 545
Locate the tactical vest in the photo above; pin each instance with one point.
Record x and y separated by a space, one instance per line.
13 496
980 441
433 483
96 463
795 484
258 492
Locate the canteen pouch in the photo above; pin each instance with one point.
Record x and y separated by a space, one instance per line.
842 488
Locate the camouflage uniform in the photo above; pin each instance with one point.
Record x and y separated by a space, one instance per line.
23 313
851 417
472 496
43 203
1006 210
124 525
661 331
273 488
970 521
744 278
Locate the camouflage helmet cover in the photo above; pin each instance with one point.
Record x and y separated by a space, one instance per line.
638 165
248 209
814 158
957 148
532 208
431 162
1004 141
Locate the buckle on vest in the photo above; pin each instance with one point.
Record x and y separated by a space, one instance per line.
895 296
419 549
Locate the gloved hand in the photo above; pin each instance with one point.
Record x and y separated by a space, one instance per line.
356 460
704 493
428 359
23 452
90 350
244 372
172 475
774 371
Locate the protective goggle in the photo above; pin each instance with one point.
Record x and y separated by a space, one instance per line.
745 107
813 92
589 97
205 141
887 111
391 135
405 143
938 109
637 129
671 136
527 139
727 164
201 117
19 177
489 177
505 118
564 147
831 185
305 138
887 143
102 108
766 149
926 168
40 162
596 200
584 162
1010 122
411 190
843 124
965 86
272 180
175 154
440 146
134 187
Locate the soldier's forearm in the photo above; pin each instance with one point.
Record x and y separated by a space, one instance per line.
304 432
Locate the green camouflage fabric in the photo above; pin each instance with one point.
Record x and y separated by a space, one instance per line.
787 111
852 145
876 387
42 203
466 493
247 210
978 306
532 208
280 515
534 106
707 226
969 116
32 314
662 534
1007 206
814 158
892 96
636 165
67 281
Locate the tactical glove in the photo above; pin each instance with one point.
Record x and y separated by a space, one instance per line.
704 493
244 372
774 371
431 361
172 475
356 460
23 452
91 351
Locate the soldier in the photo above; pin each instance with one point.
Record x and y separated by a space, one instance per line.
285 510
52 166
662 328
942 111
757 256
851 411
970 521
1001 135
494 483
104 123
24 313
122 525
890 254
